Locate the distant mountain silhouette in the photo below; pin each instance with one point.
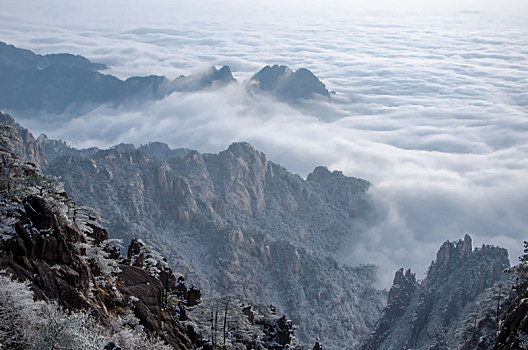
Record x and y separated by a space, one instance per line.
58 83
25 59
211 78
286 84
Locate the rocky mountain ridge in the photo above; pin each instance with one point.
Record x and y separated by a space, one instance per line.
20 58
66 257
64 83
282 82
235 222
433 313
44 239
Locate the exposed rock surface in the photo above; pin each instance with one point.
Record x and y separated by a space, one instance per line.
431 314
514 328
234 222
41 242
211 78
23 142
55 149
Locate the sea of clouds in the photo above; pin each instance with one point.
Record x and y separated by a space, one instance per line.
431 103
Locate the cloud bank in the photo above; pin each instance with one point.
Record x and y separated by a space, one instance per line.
432 110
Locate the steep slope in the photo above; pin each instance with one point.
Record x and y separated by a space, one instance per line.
514 328
63 253
439 312
513 333
234 222
22 142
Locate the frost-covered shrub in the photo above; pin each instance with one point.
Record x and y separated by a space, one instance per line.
63 330
136 339
29 324
38 325
7 136
96 255
18 313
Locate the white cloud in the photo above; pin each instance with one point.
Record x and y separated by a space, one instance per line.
432 109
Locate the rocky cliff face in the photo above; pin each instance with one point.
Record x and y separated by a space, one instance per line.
432 314
234 222
23 142
65 255
513 332
44 239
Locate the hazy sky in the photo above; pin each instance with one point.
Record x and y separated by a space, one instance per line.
431 102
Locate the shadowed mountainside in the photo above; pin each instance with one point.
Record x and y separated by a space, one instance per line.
454 307
64 83
282 82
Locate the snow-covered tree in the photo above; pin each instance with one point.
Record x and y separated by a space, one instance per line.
41 183
105 268
38 325
18 313
7 136
521 270
63 330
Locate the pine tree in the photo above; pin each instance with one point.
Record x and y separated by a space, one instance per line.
521 269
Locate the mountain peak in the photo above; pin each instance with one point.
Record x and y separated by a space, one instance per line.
245 150
456 255
419 314
224 74
321 173
189 207
212 77
20 58
236 147
218 76
124 147
269 77
402 288
285 84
